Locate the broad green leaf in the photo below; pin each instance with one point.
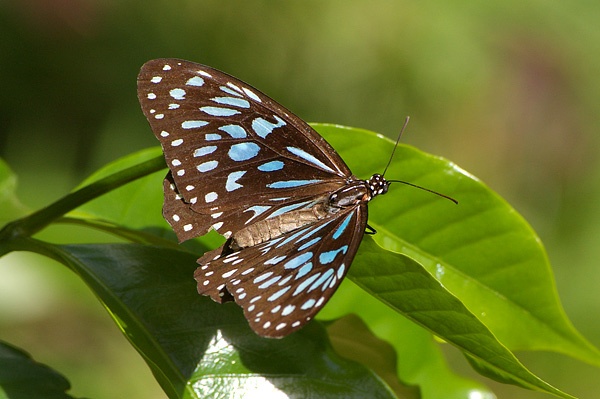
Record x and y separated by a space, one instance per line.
432 374
10 207
197 348
136 205
467 247
420 361
481 249
21 377
408 288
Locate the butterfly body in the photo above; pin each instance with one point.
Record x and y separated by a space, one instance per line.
243 165
268 229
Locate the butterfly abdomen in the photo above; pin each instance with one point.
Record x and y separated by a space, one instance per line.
268 229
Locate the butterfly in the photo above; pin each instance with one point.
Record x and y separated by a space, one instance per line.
243 165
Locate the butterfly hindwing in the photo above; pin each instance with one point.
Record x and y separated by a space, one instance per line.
282 283
230 147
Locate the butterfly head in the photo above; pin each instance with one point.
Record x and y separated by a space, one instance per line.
378 185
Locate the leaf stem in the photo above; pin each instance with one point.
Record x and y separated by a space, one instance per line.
31 224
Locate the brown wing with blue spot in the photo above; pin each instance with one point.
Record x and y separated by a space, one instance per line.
282 283
235 156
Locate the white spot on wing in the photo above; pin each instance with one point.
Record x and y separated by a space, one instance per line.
252 95
210 197
195 81
177 94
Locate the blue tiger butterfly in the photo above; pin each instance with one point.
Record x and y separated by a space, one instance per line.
240 163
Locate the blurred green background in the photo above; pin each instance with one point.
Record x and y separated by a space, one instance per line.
509 90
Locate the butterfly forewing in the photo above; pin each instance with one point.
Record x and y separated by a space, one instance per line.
281 284
230 147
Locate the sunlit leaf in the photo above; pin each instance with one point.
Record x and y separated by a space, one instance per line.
197 348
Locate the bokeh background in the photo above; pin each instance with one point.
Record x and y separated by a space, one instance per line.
509 90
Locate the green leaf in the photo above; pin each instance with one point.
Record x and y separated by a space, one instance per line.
137 205
10 207
420 360
481 250
21 377
197 348
475 248
407 287
352 339
134 211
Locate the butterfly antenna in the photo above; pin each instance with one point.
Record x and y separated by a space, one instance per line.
396 145
424 189
405 182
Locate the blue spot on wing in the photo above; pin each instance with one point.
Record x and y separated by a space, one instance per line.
271 166
310 158
304 270
329 256
235 131
236 102
243 151
263 127
302 286
278 294
308 304
229 91
340 230
269 282
193 124
195 81
209 149
262 277
298 260
275 260
322 280
219 111
309 243
207 166
232 179
292 183
177 94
